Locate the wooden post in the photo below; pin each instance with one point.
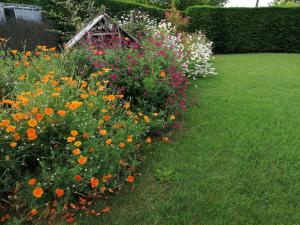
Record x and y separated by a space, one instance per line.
132 16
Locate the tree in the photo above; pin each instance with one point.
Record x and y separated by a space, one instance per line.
218 2
257 3
284 3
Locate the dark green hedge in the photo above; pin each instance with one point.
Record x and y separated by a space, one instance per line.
241 30
120 7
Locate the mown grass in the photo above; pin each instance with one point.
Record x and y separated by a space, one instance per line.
237 158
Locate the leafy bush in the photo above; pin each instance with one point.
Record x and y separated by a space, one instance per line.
65 138
239 30
150 75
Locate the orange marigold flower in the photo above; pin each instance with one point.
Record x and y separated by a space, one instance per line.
32 181
70 139
52 49
130 179
84 96
32 122
148 140
122 145
106 210
17 116
26 63
35 110
82 160
162 74
74 133
85 135
106 117
78 178
74 105
28 53
83 83
38 192
76 151
31 134
48 111
14 52
129 138
13 144
108 141
10 129
59 192
39 117
47 57
61 112
146 119
34 212
111 98
77 143
4 123
17 136
94 182
102 189
103 132
127 105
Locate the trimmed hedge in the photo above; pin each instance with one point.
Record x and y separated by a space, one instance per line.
120 7
242 30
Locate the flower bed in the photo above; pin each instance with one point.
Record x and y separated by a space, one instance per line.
67 138
74 124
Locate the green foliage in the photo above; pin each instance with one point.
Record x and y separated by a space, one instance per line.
59 122
236 30
284 3
120 7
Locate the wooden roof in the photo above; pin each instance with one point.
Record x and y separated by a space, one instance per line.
91 25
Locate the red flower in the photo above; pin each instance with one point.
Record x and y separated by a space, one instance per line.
78 178
130 179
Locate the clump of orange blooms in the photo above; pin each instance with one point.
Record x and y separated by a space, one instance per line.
65 139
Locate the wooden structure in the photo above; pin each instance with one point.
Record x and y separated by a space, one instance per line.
101 30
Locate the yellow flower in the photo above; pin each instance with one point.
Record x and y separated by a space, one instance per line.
146 119
106 70
127 105
14 52
77 143
172 117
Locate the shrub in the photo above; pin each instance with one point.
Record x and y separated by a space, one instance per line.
150 75
120 7
239 30
65 139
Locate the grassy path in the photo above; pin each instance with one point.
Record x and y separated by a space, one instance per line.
236 160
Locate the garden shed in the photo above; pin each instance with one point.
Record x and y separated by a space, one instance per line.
9 11
24 26
101 30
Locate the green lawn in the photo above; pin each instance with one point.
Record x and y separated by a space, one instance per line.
236 161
